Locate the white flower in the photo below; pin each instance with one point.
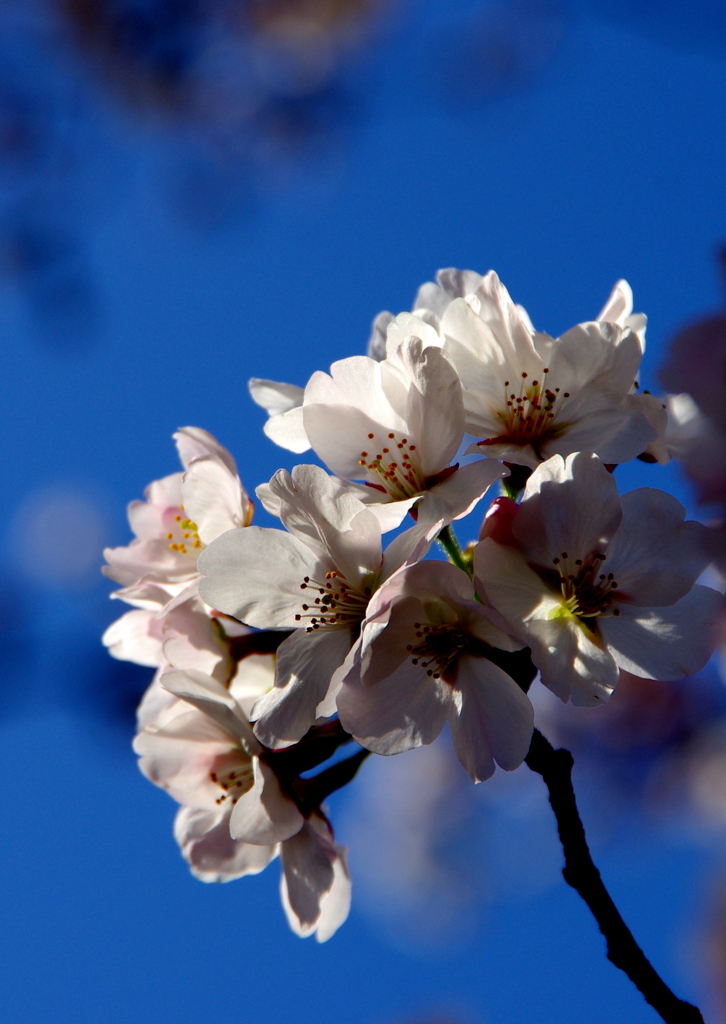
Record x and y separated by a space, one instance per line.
235 817
396 425
423 660
595 584
182 513
529 396
315 579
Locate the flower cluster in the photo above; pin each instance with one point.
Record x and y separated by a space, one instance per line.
276 647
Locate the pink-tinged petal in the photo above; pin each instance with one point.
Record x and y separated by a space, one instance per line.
655 556
459 493
137 637
255 575
305 666
498 521
210 851
151 560
403 711
192 640
193 443
214 499
146 518
665 643
188 754
491 719
264 814
388 629
307 878
570 505
157 704
213 700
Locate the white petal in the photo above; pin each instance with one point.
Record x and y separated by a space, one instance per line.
255 676
403 711
193 443
572 661
434 410
210 851
571 664
255 575
213 699
570 505
493 720
336 904
459 493
655 556
376 348
288 431
307 878
319 509
137 637
665 643
343 409
305 666
214 499
619 304
264 815
275 397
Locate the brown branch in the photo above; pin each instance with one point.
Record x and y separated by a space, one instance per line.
555 767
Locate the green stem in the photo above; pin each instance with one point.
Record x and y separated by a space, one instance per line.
447 540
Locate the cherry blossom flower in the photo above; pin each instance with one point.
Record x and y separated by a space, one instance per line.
235 817
529 396
397 425
595 584
182 513
423 659
315 579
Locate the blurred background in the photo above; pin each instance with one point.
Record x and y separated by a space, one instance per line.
193 192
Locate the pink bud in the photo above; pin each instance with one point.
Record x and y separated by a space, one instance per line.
498 521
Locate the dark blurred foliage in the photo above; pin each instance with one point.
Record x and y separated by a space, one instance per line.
641 746
697 364
496 49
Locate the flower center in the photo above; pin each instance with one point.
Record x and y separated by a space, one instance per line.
438 648
529 417
234 782
587 591
394 467
336 603
184 536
